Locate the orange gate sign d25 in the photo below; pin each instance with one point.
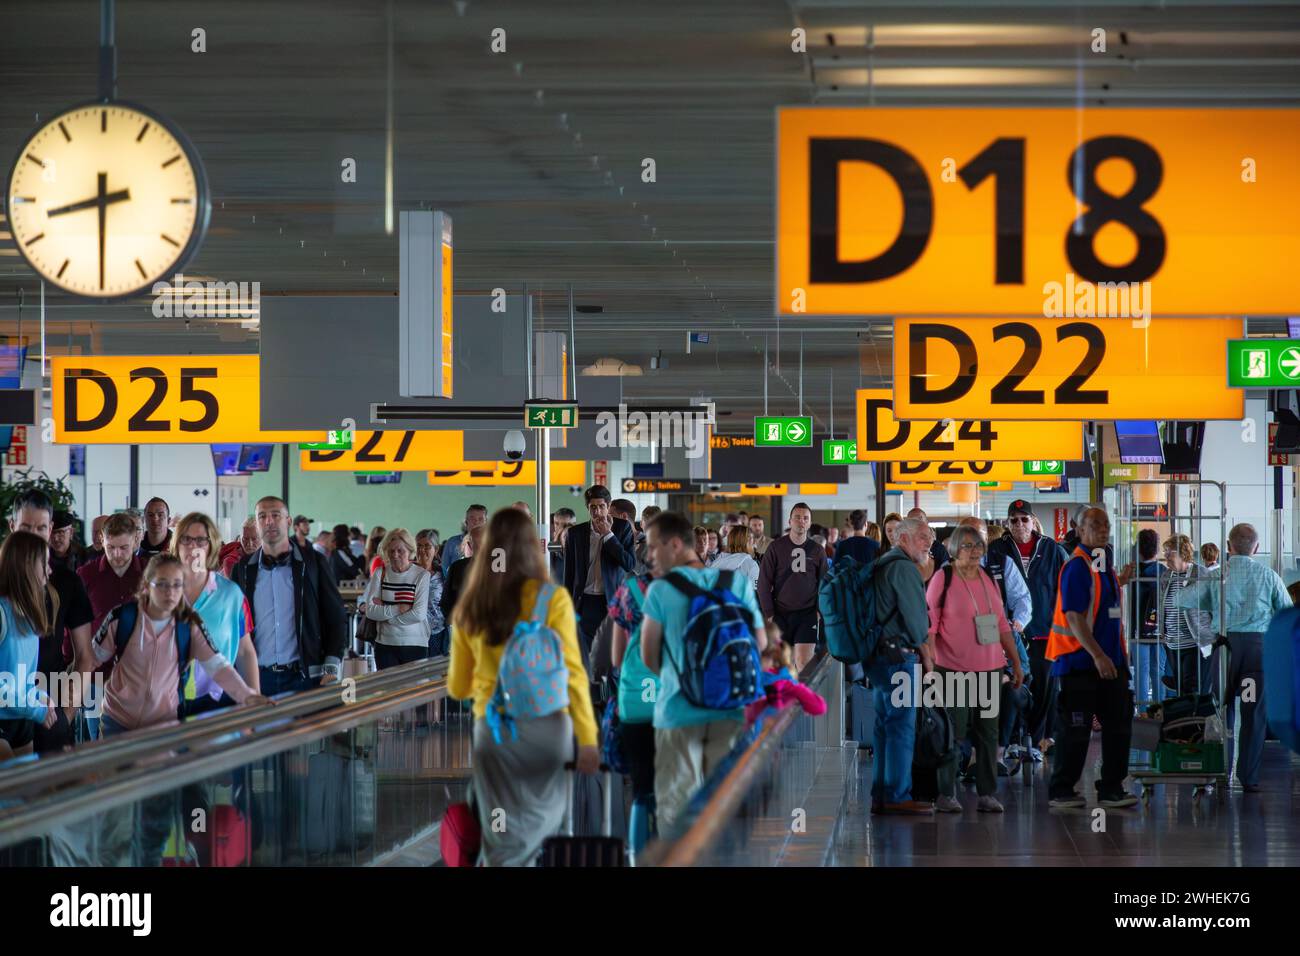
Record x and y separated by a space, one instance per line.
510 473
406 450
881 437
161 400
1064 369
907 211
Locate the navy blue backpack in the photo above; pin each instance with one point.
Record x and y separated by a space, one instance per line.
720 664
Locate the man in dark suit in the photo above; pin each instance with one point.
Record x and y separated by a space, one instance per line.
598 554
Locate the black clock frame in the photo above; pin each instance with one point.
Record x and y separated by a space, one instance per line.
203 200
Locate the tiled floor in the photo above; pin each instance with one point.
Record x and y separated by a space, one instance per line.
1244 830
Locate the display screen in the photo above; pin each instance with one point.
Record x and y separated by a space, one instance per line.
384 478
225 458
1139 443
255 457
6 437
1182 447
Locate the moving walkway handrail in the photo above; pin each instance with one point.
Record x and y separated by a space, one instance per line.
36 817
721 808
107 755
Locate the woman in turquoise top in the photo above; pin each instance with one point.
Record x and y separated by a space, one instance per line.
638 689
24 568
221 605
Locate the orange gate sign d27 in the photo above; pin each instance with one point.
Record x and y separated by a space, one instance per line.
161 400
913 211
1064 369
510 473
881 437
406 450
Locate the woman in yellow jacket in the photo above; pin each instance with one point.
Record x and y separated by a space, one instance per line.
521 776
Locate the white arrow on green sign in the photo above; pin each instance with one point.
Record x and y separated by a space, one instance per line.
783 431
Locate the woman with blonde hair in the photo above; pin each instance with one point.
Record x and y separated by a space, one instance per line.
739 554
518 764
220 602
1184 630
397 596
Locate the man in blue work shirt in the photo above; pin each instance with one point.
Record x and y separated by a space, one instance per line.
1086 646
474 515
1253 593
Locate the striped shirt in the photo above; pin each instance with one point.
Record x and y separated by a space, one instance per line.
1177 634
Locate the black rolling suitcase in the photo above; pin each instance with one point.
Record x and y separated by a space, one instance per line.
585 851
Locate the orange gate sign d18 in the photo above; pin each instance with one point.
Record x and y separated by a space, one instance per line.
881 437
161 399
1064 369
906 211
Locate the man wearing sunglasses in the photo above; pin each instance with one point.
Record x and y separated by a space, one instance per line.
1040 559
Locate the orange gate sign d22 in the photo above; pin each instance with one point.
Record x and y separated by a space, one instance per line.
882 437
161 400
914 211
1064 369
476 473
406 450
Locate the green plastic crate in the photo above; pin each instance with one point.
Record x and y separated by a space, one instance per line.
1189 758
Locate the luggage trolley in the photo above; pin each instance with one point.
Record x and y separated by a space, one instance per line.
1134 508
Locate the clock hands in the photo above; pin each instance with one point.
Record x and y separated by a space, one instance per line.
101 201
120 196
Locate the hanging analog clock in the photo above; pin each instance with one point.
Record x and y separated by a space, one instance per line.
107 198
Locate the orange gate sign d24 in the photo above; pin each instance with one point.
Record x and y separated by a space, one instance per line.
161 400
1086 368
916 211
881 437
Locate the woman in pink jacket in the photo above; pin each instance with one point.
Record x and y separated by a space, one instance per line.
970 641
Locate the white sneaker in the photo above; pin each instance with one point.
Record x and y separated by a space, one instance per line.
989 805
947 805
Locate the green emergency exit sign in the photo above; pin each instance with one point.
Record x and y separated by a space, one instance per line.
1263 363
1044 468
783 431
335 441
550 415
840 451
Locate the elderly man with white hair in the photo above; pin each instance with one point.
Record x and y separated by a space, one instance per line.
899 578
1252 594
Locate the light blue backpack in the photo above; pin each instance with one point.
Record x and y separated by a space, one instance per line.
533 680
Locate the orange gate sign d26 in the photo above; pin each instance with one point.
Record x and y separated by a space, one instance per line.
939 471
1064 369
913 211
881 437
161 400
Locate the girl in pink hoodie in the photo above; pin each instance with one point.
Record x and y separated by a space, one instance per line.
781 686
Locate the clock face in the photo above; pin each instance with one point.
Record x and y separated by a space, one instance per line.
105 199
